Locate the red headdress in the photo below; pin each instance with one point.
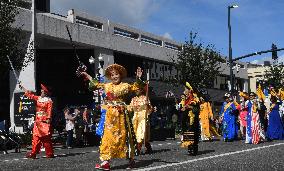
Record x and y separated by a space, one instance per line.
44 88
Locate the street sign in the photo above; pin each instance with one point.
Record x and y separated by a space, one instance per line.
24 109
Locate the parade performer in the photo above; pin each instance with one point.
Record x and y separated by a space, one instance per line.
190 120
281 107
142 109
228 116
252 96
205 116
42 130
261 108
255 122
275 130
243 110
117 139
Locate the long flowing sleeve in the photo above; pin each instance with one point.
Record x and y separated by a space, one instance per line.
210 111
137 85
31 95
95 84
49 110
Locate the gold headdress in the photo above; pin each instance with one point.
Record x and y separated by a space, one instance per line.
122 71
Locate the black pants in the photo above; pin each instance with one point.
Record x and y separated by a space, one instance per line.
79 136
70 138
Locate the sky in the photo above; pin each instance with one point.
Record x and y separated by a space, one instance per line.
256 24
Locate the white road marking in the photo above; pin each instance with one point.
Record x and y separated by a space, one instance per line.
6 160
209 157
160 144
94 151
16 159
169 143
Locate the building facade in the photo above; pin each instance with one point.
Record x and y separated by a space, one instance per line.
256 74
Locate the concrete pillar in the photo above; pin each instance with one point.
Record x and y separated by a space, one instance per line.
27 74
245 85
27 78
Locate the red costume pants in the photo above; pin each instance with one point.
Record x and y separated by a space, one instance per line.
47 143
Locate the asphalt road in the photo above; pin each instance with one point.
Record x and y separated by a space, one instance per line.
168 155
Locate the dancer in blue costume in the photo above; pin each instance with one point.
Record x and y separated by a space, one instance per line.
228 114
275 130
252 95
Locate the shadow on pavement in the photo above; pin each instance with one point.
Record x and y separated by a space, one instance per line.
70 154
205 152
157 151
141 164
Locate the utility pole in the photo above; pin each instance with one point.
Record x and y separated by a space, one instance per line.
230 49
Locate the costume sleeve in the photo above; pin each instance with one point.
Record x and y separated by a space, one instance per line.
150 108
49 110
31 95
137 85
239 107
130 106
210 110
95 84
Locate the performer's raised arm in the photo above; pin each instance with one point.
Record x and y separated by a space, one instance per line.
94 83
28 93
138 83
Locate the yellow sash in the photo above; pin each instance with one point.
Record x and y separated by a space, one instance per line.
225 108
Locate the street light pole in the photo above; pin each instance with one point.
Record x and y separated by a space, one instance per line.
230 49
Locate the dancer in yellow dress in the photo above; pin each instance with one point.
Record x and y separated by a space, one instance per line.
142 109
205 116
117 139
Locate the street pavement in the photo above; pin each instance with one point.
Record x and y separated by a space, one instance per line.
167 155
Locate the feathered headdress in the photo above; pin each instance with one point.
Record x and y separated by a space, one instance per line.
260 93
244 95
273 92
281 93
188 86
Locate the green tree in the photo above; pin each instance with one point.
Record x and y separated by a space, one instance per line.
198 64
275 75
10 37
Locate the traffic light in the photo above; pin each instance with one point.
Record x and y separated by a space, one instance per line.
274 52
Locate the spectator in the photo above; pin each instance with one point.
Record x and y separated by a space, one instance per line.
79 127
86 120
70 118
174 120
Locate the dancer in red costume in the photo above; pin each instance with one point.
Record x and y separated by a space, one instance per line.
42 130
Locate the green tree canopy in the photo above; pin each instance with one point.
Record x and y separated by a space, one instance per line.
10 37
198 64
275 75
